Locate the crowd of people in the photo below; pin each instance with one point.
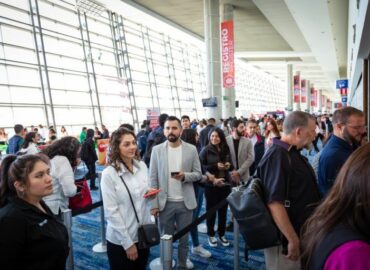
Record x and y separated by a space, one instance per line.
325 225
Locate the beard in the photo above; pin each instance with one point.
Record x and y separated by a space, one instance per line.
240 134
349 138
172 138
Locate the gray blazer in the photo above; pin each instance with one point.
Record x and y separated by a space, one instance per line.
245 155
159 174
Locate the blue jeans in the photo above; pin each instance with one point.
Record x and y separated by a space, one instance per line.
199 194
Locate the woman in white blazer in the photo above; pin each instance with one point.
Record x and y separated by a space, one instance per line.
122 225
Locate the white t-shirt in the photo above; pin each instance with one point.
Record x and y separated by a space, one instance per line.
253 139
174 165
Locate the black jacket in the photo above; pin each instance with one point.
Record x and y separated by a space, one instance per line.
209 157
88 153
31 239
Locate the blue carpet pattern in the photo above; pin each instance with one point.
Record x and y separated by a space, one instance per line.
86 233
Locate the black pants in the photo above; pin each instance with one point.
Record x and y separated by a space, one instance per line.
118 258
214 195
91 175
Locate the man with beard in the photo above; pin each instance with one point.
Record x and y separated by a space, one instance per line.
290 189
241 150
242 155
349 129
174 166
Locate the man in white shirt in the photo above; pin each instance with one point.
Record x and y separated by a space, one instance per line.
174 166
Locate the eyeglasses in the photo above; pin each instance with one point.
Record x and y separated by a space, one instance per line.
357 127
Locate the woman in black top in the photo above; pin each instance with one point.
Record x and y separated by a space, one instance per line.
88 155
30 236
215 159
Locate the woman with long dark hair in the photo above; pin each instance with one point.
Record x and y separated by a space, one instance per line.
30 235
271 132
63 155
89 156
124 176
216 160
337 235
29 145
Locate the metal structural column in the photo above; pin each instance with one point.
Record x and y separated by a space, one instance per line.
228 94
212 41
149 65
319 101
189 78
41 60
172 76
289 80
123 62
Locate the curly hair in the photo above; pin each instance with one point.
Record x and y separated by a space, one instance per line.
114 154
68 147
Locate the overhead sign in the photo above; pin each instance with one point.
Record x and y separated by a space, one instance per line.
209 102
227 44
344 99
297 88
342 84
338 105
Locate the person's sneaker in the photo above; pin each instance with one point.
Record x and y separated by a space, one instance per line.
212 241
224 241
201 251
189 264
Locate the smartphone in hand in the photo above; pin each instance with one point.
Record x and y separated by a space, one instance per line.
173 174
152 192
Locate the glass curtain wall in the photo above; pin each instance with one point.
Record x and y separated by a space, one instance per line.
61 67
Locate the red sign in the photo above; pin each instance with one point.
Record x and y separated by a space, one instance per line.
303 91
297 88
152 115
343 92
323 100
338 105
227 43
313 97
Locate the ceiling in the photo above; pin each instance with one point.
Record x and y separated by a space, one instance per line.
311 35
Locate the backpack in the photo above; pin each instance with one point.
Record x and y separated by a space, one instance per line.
254 219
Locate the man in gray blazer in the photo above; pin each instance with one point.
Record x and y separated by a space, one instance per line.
174 166
241 150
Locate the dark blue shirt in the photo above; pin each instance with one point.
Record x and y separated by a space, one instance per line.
332 158
14 144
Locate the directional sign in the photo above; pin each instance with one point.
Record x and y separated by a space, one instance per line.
209 102
342 84
344 99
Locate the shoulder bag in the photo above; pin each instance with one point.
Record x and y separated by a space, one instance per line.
148 234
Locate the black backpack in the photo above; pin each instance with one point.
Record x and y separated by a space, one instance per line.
254 219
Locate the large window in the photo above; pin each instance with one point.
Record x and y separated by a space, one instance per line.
59 67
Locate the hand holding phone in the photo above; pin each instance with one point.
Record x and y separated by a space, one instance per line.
151 192
173 174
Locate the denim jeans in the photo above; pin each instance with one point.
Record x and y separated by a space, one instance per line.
199 194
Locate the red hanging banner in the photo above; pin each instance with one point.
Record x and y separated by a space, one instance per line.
313 97
343 92
297 88
303 91
227 43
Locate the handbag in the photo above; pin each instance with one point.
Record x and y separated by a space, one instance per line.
83 197
255 222
148 234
